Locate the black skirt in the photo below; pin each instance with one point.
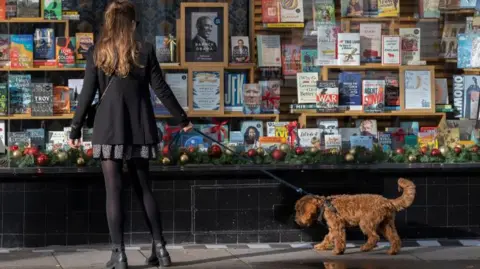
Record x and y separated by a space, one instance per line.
125 152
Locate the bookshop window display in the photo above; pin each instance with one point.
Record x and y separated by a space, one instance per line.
294 82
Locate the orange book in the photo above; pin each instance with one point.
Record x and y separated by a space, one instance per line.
3 9
61 100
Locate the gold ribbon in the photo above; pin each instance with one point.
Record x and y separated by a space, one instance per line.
171 42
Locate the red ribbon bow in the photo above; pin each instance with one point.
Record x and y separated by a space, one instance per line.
270 99
292 135
169 130
399 135
219 129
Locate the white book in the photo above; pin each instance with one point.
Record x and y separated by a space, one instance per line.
291 11
307 87
348 49
326 44
391 50
371 42
410 45
269 53
178 84
305 136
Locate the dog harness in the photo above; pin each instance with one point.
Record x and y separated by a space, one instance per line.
328 205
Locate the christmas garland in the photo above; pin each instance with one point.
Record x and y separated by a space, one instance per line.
284 154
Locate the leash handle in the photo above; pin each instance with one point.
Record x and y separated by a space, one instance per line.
297 189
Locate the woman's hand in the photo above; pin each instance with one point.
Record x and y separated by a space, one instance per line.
74 143
188 128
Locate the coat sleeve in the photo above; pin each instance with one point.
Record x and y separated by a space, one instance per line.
90 87
163 91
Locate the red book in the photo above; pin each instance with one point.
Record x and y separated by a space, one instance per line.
270 11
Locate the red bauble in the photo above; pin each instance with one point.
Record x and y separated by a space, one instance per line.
424 150
165 151
299 151
400 151
252 153
14 148
474 149
31 151
457 150
192 149
42 159
89 153
435 152
277 155
215 151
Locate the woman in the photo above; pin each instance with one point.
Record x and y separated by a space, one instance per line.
122 68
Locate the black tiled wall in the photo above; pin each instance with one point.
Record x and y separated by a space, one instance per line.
226 207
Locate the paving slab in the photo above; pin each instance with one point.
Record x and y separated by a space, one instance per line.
449 253
23 260
94 259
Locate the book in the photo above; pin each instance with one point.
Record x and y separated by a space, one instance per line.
327 44
350 91
272 126
252 98
371 42
270 96
37 137
362 141
3 99
391 50
392 93
309 57
327 96
83 43
75 88
270 11
252 130
4 50
410 45
459 95
20 93
42 99
27 8
348 49
306 135
21 51
468 56
333 141
351 8
61 100
3 142
11 9
291 59
441 91
373 96
418 88
323 12
306 87
44 50
451 30
234 83
429 8
3 9
388 8
162 49
370 8
269 53
65 51
471 96
52 9
240 49
291 11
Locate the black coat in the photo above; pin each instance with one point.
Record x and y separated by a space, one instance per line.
125 115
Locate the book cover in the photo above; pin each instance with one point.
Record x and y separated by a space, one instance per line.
417 90
327 96
346 134
459 96
367 127
333 141
410 127
19 88
468 3
252 130
371 42
385 141
52 9
291 59
4 50
75 87
11 9
348 49
307 87
323 12
28 8
269 52
42 99
291 11
327 44
351 8
44 50
464 51
37 137
270 96
451 30
373 96
18 138
272 126
370 8
3 9
441 91
391 50
3 142
162 49
472 92
309 57
240 49
252 98
178 84
388 8
234 83
429 8
21 51
307 135
270 11
84 42
3 99
361 141
410 45
65 51
350 91
392 93
61 100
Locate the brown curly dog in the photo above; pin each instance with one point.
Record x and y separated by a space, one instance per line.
373 213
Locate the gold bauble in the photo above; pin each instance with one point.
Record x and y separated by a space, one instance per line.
443 150
460 146
349 157
334 151
184 158
165 161
314 150
260 151
284 147
62 156
17 154
80 161
412 158
315 140
352 151
230 150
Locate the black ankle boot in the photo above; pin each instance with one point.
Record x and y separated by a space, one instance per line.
159 256
118 259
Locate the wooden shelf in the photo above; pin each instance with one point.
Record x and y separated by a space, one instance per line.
458 11
370 19
32 20
41 69
227 114
29 117
229 67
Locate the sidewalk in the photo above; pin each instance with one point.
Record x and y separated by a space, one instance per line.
299 257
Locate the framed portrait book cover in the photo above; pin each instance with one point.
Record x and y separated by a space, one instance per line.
206 92
204 38
417 89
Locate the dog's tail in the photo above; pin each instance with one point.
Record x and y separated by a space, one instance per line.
408 194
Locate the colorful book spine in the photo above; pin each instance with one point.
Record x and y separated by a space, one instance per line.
21 51
52 9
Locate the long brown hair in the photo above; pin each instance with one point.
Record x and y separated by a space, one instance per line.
117 48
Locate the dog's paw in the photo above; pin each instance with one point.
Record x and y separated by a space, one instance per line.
338 251
366 248
323 247
392 251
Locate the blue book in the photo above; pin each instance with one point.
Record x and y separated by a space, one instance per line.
234 91
362 141
44 40
464 51
468 3
350 90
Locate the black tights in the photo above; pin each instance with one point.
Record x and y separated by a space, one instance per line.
138 171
